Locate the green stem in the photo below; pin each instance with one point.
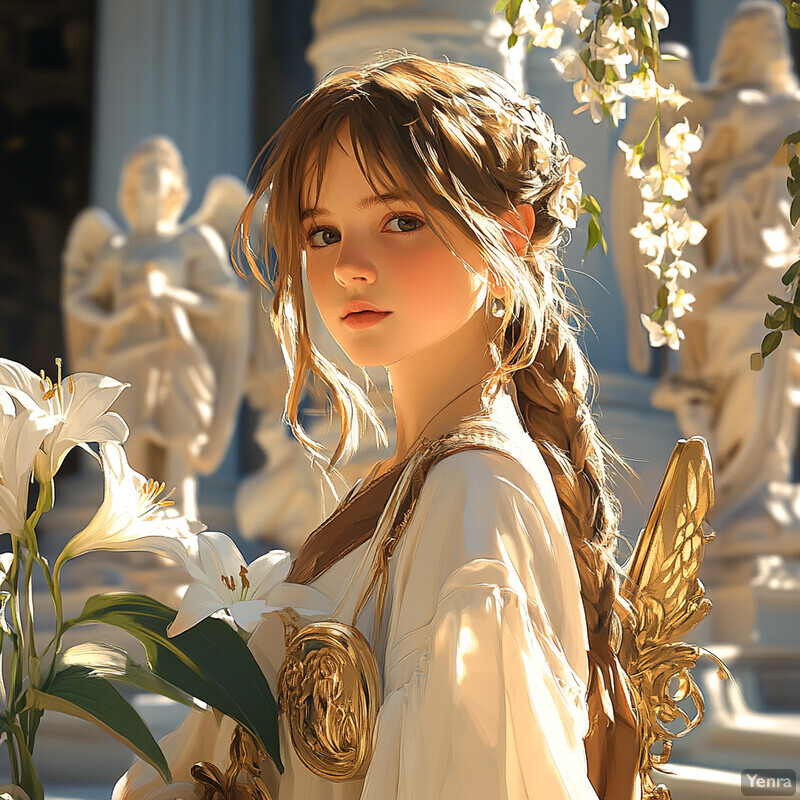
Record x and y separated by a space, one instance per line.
29 562
20 650
54 584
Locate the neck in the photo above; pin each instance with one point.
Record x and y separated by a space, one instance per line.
435 388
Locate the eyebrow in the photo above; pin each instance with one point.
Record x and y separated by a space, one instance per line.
361 205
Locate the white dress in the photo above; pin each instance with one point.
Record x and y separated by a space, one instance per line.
483 653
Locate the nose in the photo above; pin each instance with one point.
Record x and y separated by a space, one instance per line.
351 268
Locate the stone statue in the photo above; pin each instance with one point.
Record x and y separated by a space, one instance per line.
160 307
739 194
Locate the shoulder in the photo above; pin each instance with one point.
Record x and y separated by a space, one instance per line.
478 503
491 480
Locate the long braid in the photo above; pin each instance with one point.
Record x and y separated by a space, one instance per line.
552 395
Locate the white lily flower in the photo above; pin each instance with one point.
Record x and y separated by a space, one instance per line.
224 580
21 434
77 405
132 517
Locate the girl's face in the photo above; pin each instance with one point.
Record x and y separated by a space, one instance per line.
386 286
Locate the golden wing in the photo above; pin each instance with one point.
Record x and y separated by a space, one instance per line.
668 600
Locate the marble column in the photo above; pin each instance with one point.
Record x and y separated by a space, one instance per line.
176 67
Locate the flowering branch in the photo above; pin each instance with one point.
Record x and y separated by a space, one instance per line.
617 36
786 314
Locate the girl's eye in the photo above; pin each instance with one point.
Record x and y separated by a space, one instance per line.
404 224
322 237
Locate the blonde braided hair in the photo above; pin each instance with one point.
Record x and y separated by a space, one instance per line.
469 148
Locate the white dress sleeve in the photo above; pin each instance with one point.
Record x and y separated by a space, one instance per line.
485 665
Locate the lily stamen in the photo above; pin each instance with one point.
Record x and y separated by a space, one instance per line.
243 576
148 497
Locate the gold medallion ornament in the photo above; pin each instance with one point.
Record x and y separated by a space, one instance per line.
330 691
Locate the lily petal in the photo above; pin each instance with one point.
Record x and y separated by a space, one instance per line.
219 556
267 571
199 602
247 613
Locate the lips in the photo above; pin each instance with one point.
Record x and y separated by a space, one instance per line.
359 314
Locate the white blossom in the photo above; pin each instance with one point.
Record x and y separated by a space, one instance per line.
77 407
663 334
224 580
633 159
134 516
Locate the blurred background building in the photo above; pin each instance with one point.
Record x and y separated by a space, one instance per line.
82 82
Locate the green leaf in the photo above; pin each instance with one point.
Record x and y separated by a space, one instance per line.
590 205
796 324
512 40
794 212
500 6
779 301
662 297
792 13
772 321
595 235
659 315
28 778
76 692
791 273
770 343
756 362
598 70
512 11
113 663
209 661
792 138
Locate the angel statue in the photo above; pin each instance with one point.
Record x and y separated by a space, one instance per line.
739 195
160 307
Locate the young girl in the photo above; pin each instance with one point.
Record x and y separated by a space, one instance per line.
425 203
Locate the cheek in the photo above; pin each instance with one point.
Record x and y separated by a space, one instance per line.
444 289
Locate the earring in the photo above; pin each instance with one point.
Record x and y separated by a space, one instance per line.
498 307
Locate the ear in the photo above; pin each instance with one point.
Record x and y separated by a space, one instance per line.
519 226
